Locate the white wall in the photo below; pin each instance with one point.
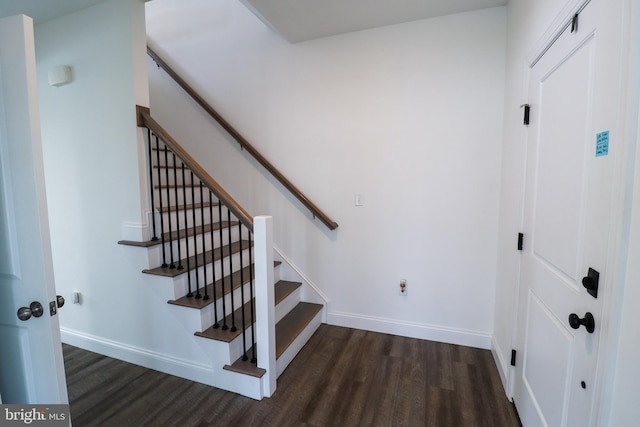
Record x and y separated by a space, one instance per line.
91 155
410 115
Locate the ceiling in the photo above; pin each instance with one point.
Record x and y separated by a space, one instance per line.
296 20
300 20
43 10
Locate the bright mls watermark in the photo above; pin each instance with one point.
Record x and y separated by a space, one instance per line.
34 415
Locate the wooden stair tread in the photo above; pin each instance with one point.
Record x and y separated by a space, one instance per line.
293 323
208 258
287 330
200 303
226 335
186 185
245 367
284 288
174 235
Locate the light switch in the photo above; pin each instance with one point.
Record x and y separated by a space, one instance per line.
359 199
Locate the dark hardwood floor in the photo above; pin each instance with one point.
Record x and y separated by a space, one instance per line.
342 377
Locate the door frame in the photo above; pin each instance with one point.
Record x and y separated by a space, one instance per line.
626 129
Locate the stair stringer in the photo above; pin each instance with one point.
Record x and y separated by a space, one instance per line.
310 292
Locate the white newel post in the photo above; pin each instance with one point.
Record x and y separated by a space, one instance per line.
265 301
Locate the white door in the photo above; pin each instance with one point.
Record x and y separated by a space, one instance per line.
31 364
574 98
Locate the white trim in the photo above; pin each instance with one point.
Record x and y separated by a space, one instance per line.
555 29
265 301
299 272
149 359
629 129
501 364
245 385
411 329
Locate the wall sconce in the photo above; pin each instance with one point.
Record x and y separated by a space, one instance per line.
59 76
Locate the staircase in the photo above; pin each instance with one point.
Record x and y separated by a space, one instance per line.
202 250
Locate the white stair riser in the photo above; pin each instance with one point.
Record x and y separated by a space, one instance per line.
162 177
201 319
287 305
179 217
205 216
183 196
235 347
224 353
181 283
188 244
155 260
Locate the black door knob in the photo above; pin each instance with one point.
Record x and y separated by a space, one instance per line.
587 321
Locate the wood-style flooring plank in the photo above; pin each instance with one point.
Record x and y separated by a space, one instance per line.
341 377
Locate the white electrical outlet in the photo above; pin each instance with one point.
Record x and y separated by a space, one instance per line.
403 288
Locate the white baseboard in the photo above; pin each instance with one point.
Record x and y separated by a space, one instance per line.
181 368
501 364
411 329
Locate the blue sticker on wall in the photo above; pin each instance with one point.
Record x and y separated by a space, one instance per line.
602 143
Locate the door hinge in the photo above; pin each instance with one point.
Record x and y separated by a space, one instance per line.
527 111
574 23
513 358
520 241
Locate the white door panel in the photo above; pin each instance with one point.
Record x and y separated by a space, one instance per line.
562 106
547 338
31 364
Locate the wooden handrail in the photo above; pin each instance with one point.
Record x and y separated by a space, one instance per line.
145 119
315 211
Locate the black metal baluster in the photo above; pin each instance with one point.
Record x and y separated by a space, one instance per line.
213 265
204 264
233 318
244 322
195 236
164 255
153 205
224 300
186 231
166 175
175 193
254 359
